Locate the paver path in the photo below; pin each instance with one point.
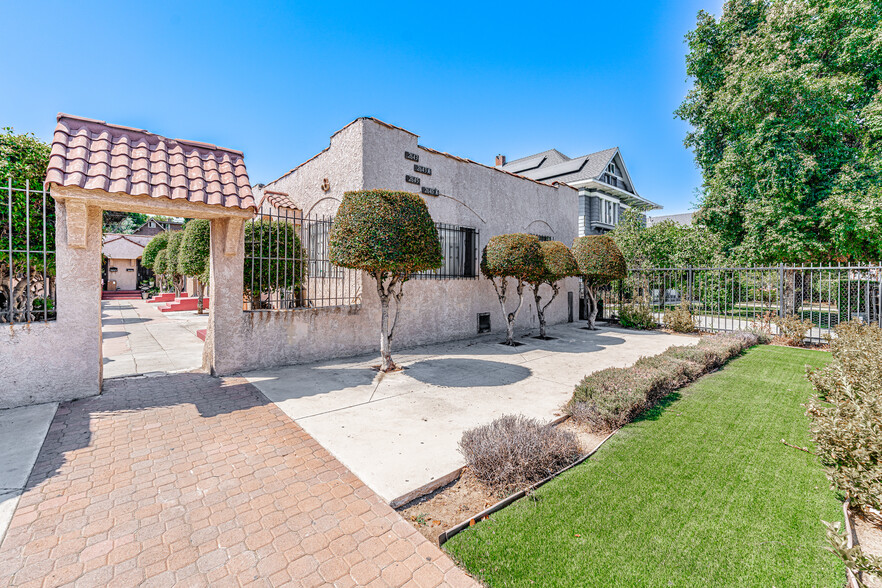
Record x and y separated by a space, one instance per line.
190 480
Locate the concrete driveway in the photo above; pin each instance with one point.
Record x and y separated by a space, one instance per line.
139 339
399 431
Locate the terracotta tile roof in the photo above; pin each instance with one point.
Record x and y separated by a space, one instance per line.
278 200
94 155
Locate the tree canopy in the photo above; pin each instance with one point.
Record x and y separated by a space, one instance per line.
665 244
274 258
600 261
786 116
195 250
154 246
386 231
556 262
516 255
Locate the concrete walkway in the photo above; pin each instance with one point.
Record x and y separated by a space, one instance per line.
22 431
138 339
399 431
188 480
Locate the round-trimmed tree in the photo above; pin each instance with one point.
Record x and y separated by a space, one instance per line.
515 256
274 262
160 266
193 256
556 263
171 262
156 244
389 235
600 262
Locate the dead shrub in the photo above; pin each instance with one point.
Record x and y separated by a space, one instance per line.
680 319
515 451
792 329
610 398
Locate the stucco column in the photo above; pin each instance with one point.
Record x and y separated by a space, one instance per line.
76 367
225 323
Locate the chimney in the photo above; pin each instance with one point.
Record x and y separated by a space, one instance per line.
500 160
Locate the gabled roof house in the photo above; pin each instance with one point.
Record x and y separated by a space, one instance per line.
604 184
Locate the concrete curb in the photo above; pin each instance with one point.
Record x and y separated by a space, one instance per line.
484 514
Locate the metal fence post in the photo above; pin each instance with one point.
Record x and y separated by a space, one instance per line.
781 289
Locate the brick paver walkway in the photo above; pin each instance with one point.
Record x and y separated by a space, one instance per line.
188 480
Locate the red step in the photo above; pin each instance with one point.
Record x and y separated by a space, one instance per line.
167 297
121 295
184 304
201 333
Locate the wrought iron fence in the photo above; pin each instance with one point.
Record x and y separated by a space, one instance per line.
27 254
734 298
287 264
459 246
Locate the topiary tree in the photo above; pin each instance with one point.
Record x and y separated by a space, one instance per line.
600 262
148 257
193 256
511 256
390 235
556 263
171 262
274 260
160 266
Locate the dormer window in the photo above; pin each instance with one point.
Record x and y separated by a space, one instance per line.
611 168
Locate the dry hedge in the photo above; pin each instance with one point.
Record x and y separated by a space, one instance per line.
610 398
515 451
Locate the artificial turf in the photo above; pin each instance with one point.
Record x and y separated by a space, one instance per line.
698 492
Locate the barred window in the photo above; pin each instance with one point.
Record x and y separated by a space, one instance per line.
459 246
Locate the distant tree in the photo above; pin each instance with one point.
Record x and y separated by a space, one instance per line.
600 262
556 263
389 235
160 268
123 222
154 246
171 262
785 115
665 244
194 254
516 256
23 162
274 260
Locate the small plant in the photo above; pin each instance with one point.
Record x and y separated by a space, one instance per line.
762 326
854 557
610 398
680 319
792 329
637 315
514 452
846 414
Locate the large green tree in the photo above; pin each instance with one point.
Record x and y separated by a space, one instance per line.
785 110
23 162
665 244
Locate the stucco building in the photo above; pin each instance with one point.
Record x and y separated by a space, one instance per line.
604 184
470 203
122 267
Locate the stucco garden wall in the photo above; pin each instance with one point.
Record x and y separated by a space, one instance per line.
59 360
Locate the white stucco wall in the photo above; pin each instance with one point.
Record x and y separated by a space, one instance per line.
370 155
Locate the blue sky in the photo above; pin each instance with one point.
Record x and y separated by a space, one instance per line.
277 80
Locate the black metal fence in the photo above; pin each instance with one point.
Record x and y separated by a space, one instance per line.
734 298
27 254
459 245
287 264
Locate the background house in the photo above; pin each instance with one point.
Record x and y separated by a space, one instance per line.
605 187
155 226
122 270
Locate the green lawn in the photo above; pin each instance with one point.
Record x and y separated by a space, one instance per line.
698 493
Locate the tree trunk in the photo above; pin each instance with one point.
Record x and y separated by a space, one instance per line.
791 297
541 308
591 300
199 303
512 316
386 363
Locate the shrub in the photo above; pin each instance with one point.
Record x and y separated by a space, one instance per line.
792 329
556 263
846 414
636 315
389 235
680 319
600 262
610 398
514 452
517 256
274 259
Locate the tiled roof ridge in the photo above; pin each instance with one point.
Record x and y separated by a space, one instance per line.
199 144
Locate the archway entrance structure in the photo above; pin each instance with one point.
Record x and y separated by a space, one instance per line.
96 166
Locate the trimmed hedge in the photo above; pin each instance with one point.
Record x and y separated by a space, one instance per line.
612 397
385 231
556 262
516 255
599 258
